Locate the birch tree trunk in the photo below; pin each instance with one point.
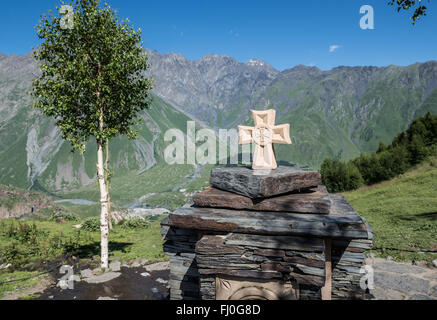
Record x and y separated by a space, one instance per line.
104 230
107 183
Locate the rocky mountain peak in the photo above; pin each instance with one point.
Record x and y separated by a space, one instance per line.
216 60
209 57
20 68
261 64
302 68
203 87
256 62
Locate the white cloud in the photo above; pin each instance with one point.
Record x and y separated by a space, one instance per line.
334 47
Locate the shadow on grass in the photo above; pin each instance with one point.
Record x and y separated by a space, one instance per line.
93 249
430 216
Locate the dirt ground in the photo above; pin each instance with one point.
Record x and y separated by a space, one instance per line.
130 285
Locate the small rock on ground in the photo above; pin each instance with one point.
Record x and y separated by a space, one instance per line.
4 266
75 278
115 266
87 273
160 266
103 278
97 271
136 263
434 291
160 280
420 297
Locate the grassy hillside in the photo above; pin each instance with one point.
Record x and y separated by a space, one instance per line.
403 213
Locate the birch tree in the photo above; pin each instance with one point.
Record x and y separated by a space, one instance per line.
92 81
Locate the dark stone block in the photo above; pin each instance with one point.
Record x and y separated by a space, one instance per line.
260 184
310 201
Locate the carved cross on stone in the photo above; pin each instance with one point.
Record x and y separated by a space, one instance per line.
264 134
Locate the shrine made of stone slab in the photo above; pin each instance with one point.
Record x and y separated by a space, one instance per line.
266 235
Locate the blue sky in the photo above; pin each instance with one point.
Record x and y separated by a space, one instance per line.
283 33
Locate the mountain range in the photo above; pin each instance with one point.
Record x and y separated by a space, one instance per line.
336 113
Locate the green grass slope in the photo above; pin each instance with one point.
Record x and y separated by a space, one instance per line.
403 213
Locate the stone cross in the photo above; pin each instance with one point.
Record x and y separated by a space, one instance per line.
264 134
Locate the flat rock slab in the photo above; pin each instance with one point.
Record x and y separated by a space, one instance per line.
420 297
396 267
259 184
401 282
103 278
160 266
115 266
345 223
105 299
311 201
88 273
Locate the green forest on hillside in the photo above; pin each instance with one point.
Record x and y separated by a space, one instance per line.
396 191
408 149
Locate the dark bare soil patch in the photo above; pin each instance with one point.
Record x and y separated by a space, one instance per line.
131 285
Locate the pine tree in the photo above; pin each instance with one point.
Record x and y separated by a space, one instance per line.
417 149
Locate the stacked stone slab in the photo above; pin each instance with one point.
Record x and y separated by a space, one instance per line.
281 228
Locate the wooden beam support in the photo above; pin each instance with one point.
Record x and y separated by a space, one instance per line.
327 289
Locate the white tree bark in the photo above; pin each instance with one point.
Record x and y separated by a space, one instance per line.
107 184
104 230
